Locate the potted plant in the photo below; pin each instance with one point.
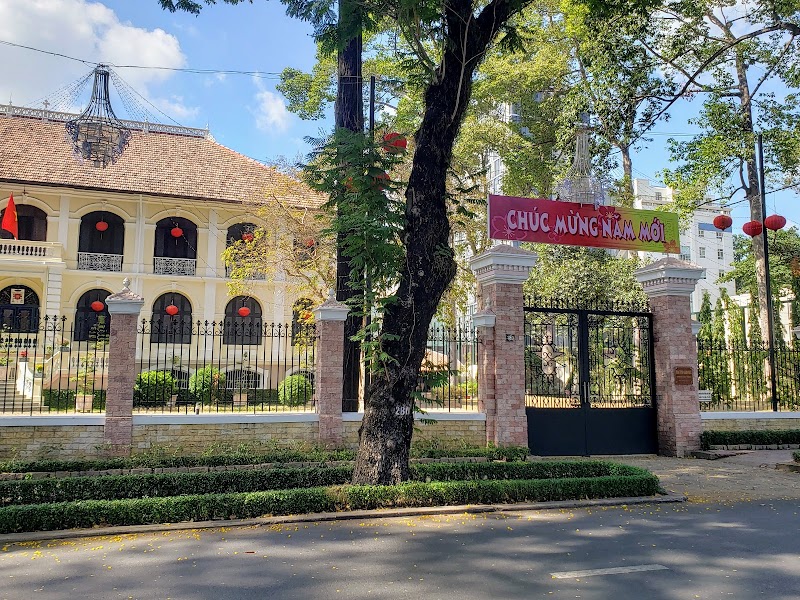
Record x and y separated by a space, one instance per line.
84 380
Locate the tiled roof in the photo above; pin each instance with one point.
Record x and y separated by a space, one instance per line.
34 151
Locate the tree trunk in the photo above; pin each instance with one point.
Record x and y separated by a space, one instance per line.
388 423
349 114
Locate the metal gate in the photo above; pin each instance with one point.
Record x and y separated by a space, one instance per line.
590 379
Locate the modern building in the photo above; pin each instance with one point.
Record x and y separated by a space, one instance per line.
701 243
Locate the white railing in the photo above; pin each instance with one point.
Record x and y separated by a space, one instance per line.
175 266
94 261
30 250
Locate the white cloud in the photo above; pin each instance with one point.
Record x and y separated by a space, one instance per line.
270 112
86 30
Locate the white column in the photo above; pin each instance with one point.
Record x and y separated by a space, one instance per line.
212 253
63 220
52 290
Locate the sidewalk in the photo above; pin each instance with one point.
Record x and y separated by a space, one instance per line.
746 477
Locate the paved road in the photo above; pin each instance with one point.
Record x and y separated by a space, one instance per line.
743 550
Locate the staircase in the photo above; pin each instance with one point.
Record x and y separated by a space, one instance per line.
12 402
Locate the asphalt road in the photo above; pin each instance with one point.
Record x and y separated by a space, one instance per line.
744 550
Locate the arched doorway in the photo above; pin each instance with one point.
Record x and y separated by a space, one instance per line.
238 329
167 328
175 250
31 224
92 325
19 307
101 242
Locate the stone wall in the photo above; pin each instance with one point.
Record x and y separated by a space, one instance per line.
192 438
746 421
50 441
465 430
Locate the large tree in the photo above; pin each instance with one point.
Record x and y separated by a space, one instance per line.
740 60
452 37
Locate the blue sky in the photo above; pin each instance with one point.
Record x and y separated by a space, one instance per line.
243 112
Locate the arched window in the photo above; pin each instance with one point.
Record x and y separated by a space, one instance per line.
167 328
90 324
31 224
242 379
101 242
175 247
242 322
239 232
302 319
19 307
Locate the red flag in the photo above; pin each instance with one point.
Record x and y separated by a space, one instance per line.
9 222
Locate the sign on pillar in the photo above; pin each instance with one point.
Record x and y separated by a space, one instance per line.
669 284
500 272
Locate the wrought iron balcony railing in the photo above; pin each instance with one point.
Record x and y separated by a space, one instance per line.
94 261
186 267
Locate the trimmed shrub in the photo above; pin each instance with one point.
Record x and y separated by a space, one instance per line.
153 388
114 487
796 456
750 436
207 385
295 390
90 513
59 399
262 397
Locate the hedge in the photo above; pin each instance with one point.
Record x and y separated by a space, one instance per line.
278 455
90 513
116 487
750 436
796 456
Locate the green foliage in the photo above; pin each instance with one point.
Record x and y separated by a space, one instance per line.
153 388
591 274
159 485
64 400
796 456
295 390
753 437
601 480
207 385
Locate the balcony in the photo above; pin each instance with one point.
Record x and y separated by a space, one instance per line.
93 261
30 251
185 267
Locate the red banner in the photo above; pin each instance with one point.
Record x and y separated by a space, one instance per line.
569 223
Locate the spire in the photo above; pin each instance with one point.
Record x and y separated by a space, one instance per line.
579 184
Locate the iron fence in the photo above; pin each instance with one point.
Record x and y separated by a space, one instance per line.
737 376
236 365
43 369
448 379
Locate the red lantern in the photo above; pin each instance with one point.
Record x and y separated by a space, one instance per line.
247 237
752 228
101 226
176 232
97 306
774 222
171 310
394 143
244 312
722 222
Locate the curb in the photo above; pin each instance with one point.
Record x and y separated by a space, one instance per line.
40 536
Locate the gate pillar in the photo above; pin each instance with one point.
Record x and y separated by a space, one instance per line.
669 282
500 272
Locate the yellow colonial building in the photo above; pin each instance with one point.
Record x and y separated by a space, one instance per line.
160 216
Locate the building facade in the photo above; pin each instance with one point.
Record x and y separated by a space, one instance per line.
161 216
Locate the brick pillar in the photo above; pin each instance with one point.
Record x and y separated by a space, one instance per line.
124 308
500 272
669 283
330 317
